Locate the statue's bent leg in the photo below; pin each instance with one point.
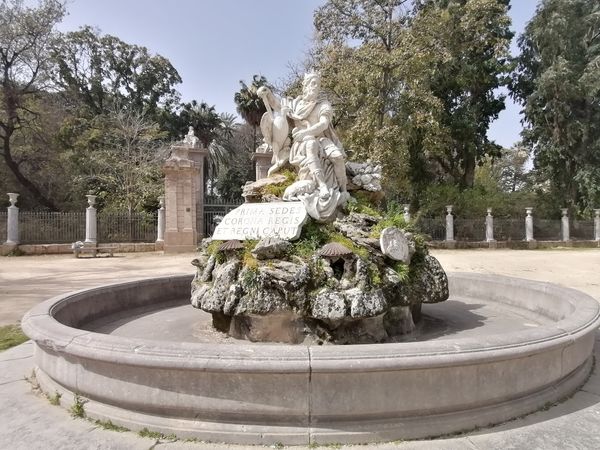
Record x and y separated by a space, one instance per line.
339 168
314 164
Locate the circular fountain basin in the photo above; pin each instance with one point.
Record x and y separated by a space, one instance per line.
141 358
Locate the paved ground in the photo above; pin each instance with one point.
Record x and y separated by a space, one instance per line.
576 268
27 280
30 422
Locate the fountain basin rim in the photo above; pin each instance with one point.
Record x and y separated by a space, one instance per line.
263 394
41 326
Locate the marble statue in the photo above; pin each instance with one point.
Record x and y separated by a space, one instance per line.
190 138
315 148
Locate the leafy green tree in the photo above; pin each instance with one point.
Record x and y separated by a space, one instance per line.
411 91
558 83
475 35
249 105
103 72
121 101
26 34
375 81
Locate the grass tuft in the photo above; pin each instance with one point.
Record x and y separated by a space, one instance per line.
145 432
108 425
54 399
11 336
77 408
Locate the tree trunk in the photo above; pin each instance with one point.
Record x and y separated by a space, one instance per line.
468 178
22 179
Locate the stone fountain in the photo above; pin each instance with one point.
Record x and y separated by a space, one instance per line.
311 269
296 270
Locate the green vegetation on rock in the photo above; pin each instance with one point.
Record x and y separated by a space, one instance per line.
248 259
360 202
278 189
315 235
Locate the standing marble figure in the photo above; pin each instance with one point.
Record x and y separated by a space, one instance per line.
316 150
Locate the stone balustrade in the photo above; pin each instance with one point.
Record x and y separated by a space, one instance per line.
453 233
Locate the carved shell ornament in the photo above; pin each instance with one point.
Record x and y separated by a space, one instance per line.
227 246
334 250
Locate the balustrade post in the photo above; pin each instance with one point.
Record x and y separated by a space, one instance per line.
564 225
12 221
161 220
90 221
597 225
489 228
407 213
529 225
450 242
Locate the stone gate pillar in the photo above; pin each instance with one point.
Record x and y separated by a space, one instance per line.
263 163
182 175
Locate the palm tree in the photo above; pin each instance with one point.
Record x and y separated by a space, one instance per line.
249 104
214 131
221 149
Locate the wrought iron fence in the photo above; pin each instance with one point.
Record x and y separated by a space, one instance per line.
36 227
41 227
469 229
215 209
582 230
3 226
434 228
124 227
509 229
546 230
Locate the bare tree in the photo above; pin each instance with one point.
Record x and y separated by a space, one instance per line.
125 171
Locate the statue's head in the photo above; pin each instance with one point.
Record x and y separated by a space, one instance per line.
311 85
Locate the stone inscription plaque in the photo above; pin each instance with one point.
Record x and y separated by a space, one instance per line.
258 220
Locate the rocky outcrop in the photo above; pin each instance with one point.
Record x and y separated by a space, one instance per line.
361 289
271 248
366 176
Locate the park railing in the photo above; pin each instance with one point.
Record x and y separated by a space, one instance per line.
215 209
433 228
39 227
3 218
126 227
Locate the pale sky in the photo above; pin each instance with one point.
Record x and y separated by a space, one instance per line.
215 43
